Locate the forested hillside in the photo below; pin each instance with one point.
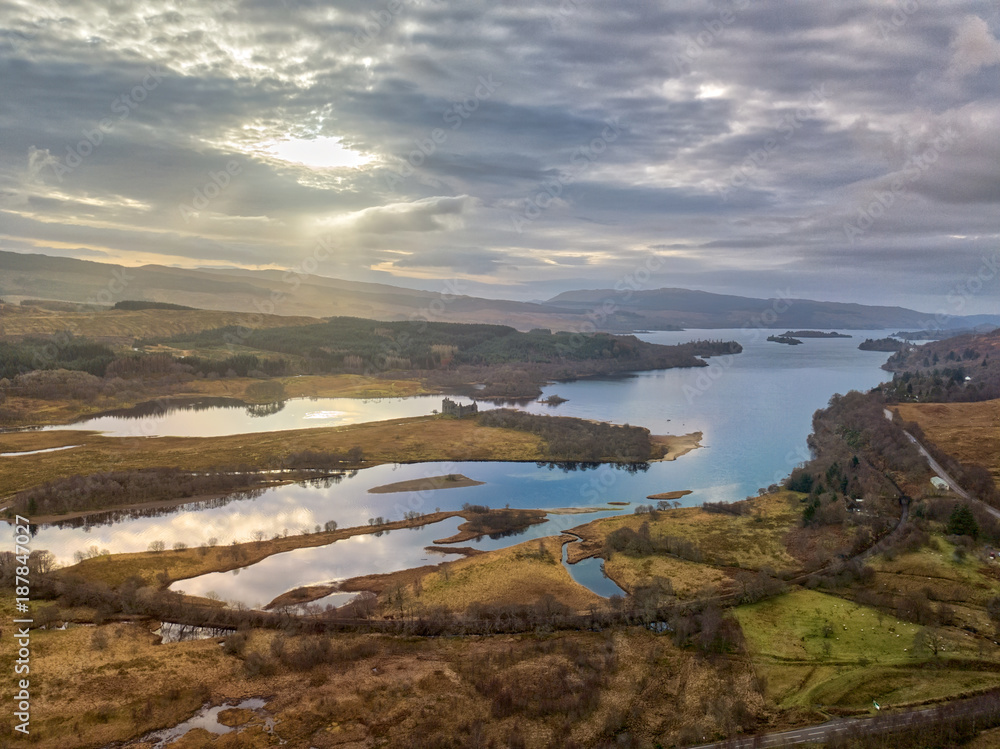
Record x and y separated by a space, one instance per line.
961 368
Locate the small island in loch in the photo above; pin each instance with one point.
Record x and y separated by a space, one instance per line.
881 344
813 334
784 339
451 481
553 400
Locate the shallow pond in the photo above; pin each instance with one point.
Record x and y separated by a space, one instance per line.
208 719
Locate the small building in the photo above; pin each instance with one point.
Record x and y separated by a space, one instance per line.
939 483
451 408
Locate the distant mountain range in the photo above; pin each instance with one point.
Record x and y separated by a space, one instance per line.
24 276
658 308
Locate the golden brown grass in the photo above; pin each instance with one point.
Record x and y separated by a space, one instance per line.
986 740
967 431
83 696
382 690
687 578
41 412
314 386
521 574
752 541
412 440
123 326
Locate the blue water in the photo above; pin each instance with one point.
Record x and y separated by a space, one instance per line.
206 417
754 410
590 574
259 584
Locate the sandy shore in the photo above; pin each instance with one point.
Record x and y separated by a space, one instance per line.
676 446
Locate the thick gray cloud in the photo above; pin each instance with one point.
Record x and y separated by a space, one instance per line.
843 150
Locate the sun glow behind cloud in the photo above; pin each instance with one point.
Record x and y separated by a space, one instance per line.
318 153
332 123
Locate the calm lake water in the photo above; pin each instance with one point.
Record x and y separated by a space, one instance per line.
214 417
754 410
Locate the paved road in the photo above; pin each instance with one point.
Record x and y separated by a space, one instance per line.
944 475
812 734
972 707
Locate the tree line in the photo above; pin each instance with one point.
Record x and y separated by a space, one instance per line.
100 491
859 460
575 439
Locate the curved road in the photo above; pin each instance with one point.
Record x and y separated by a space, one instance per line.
826 731
944 475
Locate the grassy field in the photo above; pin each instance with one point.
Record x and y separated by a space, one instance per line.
934 573
687 578
317 386
750 541
817 650
124 326
521 574
791 627
967 431
417 439
41 412
86 694
986 740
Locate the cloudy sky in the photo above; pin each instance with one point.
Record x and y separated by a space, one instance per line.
843 150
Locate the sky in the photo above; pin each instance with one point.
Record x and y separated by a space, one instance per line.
844 151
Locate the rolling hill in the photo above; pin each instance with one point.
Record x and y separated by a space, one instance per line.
29 276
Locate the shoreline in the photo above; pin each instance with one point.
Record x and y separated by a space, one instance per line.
675 446
155 505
